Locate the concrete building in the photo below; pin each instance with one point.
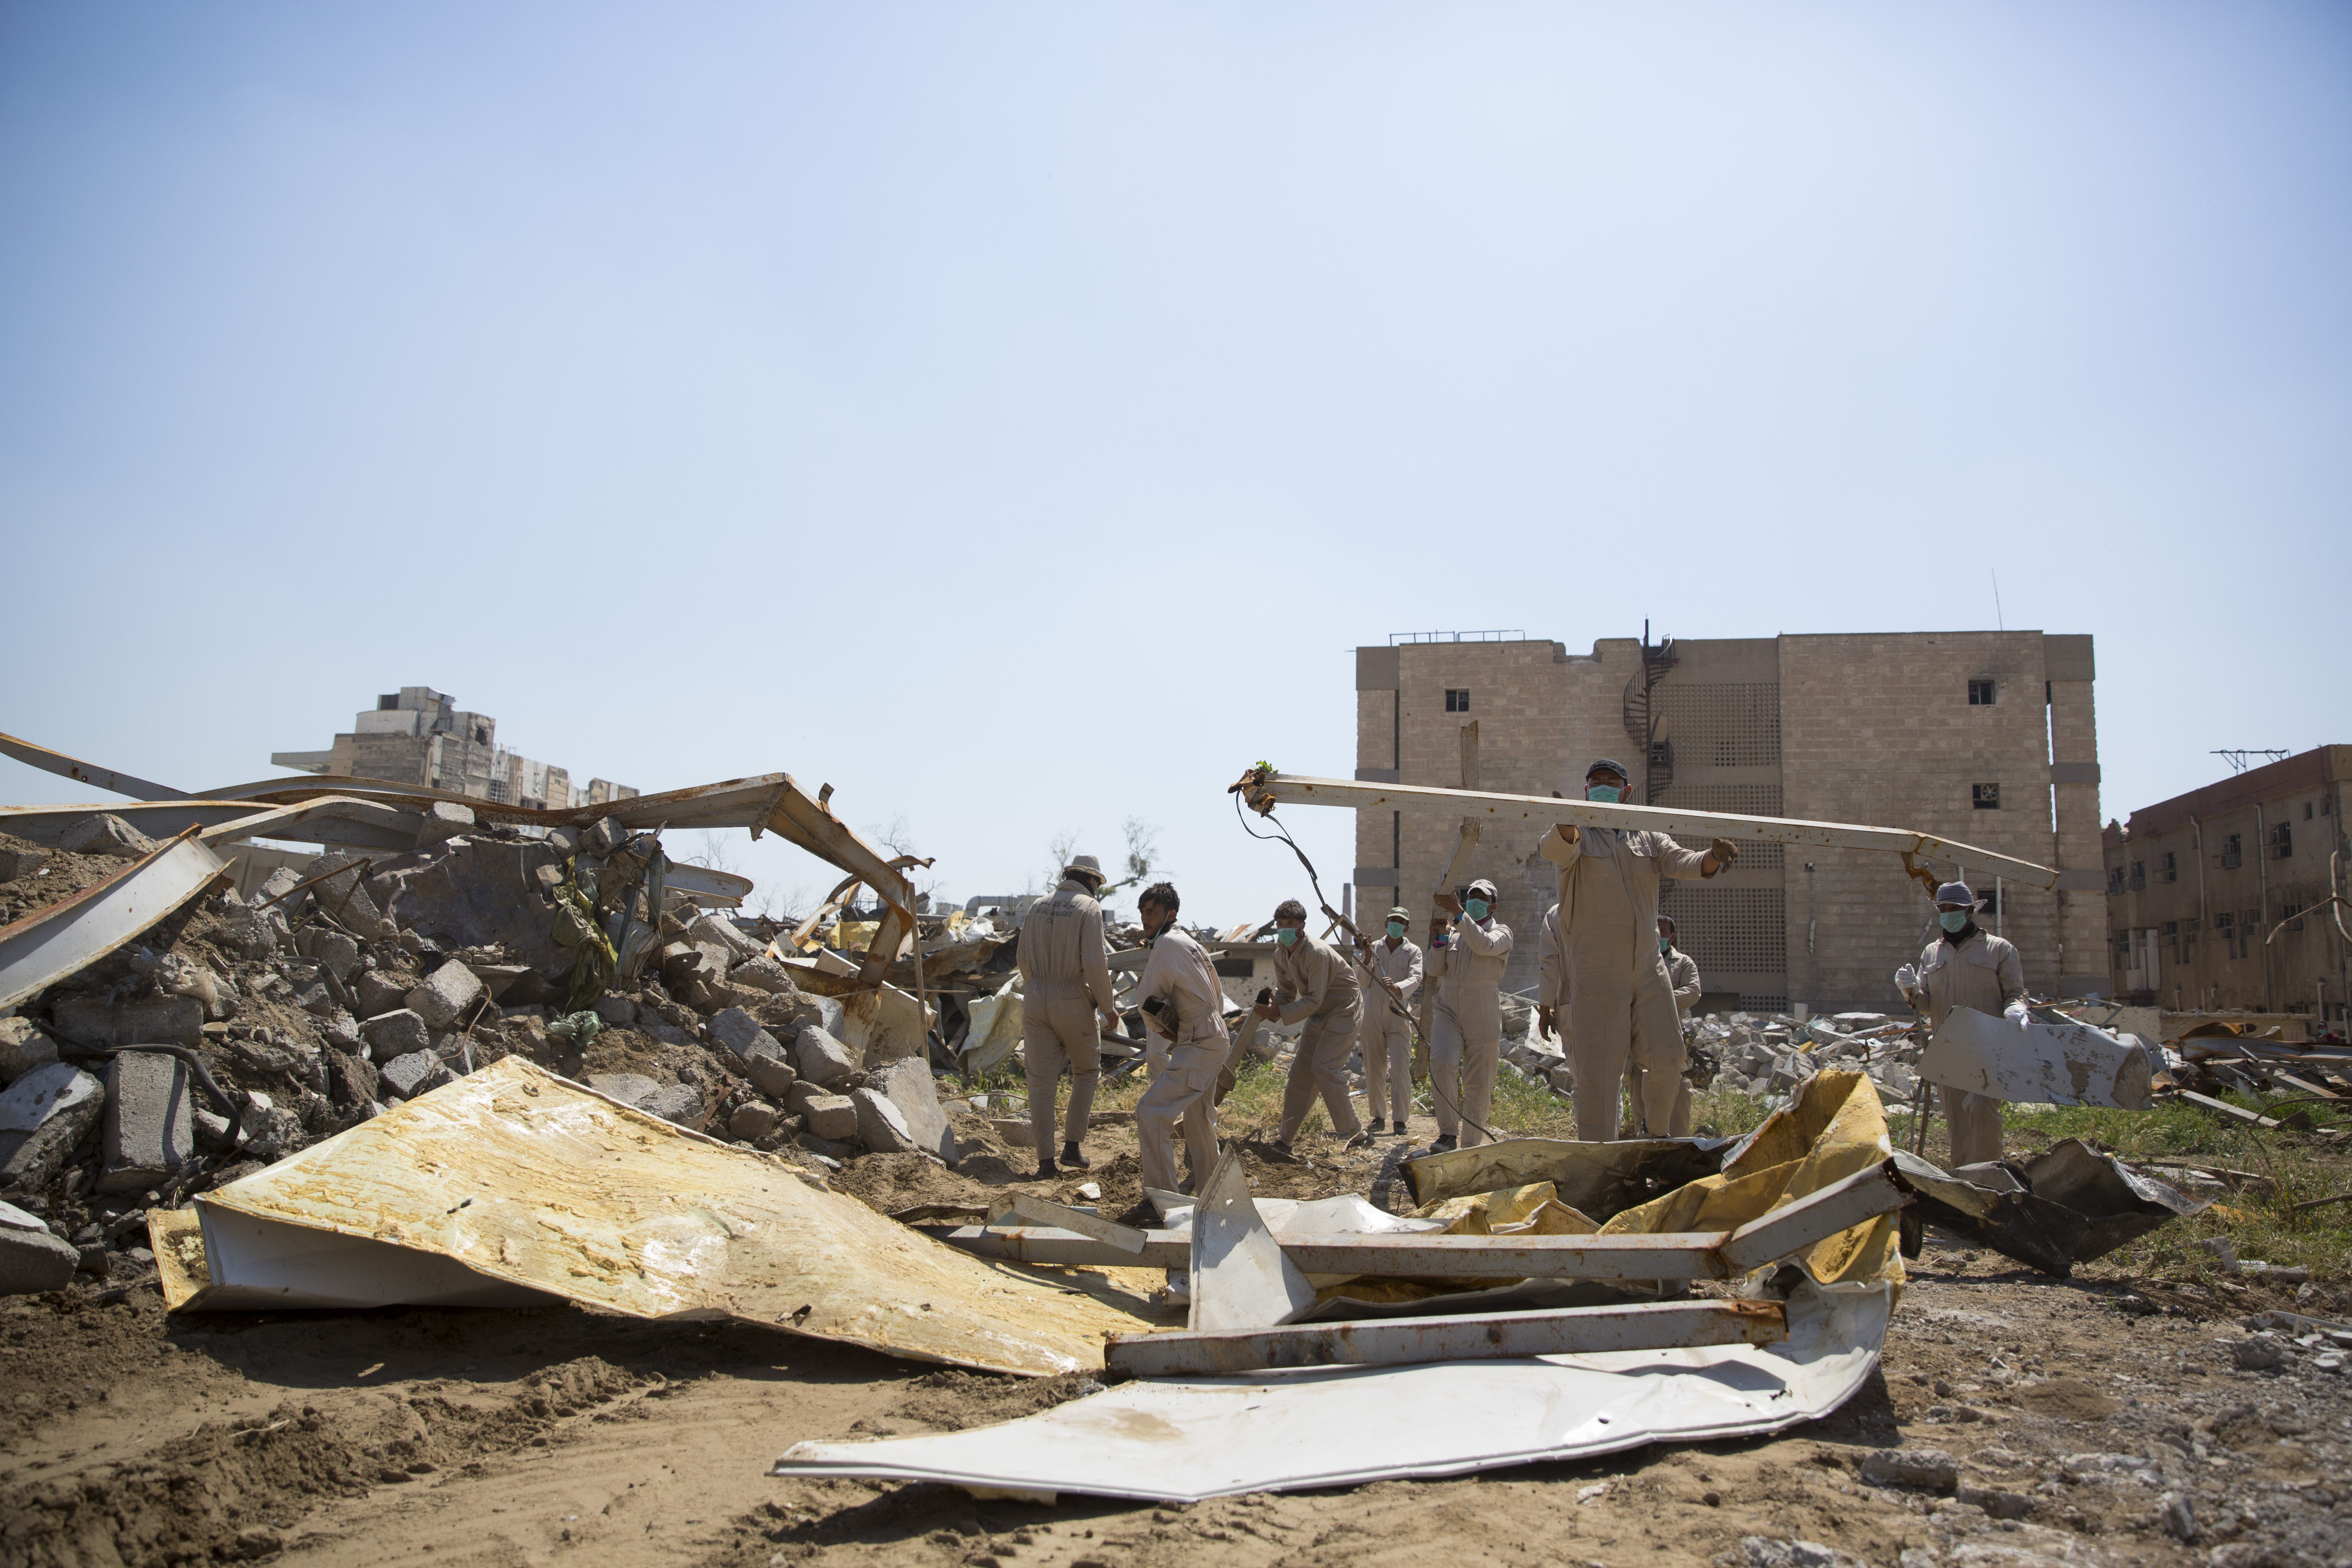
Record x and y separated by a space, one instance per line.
1986 737
2198 884
419 736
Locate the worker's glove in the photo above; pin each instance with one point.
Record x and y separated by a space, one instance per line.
1907 980
1546 1019
1725 851
2017 1010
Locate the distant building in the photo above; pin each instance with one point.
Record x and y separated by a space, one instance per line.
419 736
1984 738
2218 898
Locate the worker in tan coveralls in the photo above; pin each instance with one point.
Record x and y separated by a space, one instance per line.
1966 966
1185 1010
1067 1001
1314 985
1386 1037
1682 975
1607 932
1469 949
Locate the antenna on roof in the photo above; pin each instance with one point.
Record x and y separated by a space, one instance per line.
2237 760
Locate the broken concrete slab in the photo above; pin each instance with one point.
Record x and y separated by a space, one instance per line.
150 1132
632 1089
14 864
352 1080
821 1059
378 992
394 1034
682 1104
910 1088
761 974
31 1258
43 1115
617 1011
483 894
441 822
2070 1064
336 953
724 934
753 1120
105 833
832 1117
881 1126
446 995
23 1047
92 1020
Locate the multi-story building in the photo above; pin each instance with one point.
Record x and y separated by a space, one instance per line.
419 736
2219 898
1983 738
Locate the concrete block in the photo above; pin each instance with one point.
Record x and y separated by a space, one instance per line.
603 836
43 1115
343 896
724 933
14 864
444 820
909 1086
418 1072
377 992
821 1059
832 1117
740 1032
797 1098
753 1120
168 1020
771 1075
31 1258
717 961
395 1034
628 1088
336 953
880 1127
761 974
679 1102
446 995
105 834
23 1047
617 1011
149 1133
352 1080
1923 1470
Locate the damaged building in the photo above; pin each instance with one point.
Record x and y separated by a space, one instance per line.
2223 899
1984 736
419 736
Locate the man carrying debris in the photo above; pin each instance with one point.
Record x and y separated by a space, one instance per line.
1682 975
1470 950
1966 966
1387 1035
1183 1005
1609 957
1316 986
1067 1001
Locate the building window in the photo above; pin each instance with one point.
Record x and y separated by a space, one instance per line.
2250 931
2139 876
2306 810
1457 699
2115 881
2323 805
2167 867
2225 926
1980 693
2188 932
2281 842
2233 854
1985 797
2291 915
2172 939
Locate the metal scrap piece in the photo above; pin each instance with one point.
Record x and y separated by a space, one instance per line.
75 932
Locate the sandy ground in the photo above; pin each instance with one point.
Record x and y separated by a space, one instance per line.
561 1435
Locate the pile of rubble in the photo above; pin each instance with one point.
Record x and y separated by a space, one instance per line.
241 1030
1767 1055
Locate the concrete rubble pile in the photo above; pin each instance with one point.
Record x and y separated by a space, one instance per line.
218 1032
1767 1056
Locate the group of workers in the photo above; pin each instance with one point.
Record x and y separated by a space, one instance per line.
1609 971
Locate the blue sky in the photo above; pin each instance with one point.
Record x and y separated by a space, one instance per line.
1012 414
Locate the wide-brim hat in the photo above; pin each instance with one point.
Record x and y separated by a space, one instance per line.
1957 893
1088 864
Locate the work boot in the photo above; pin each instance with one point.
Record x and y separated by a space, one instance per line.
1073 1159
1045 1171
1357 1142
1400 1128
1445 1144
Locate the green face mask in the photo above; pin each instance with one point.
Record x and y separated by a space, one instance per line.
1605 793
1476 908
1954 919
1287 935
1664 943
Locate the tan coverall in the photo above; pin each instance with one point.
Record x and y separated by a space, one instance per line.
1681 974
1064 976
1465 1036
1386 1036
1983 972
1178 970
1608 946
1314 983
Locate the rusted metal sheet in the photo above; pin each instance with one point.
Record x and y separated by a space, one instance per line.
75 932
88 773
1402 1341
527 1178
1263 790
2063 1064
